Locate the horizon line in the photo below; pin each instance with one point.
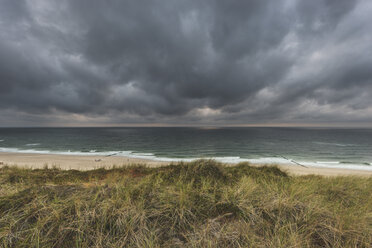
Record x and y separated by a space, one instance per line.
303 125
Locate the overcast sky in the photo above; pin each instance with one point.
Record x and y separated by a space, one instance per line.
185 62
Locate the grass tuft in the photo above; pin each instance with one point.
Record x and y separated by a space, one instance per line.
198 204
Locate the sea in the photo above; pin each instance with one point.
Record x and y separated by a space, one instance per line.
318 147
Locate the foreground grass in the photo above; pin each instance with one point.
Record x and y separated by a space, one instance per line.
199 204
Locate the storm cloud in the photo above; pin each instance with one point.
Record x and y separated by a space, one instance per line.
185 62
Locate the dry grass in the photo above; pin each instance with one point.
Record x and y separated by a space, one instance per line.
199 204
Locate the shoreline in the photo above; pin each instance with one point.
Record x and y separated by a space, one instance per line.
90 162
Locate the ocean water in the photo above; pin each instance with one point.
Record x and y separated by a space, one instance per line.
338 148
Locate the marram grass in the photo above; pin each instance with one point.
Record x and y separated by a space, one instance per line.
198 204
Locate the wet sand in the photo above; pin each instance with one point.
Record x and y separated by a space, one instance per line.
31 160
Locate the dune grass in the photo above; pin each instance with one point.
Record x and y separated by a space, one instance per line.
198 204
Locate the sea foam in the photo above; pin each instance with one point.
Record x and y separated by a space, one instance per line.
231 160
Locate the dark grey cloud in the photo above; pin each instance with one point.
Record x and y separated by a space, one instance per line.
185 62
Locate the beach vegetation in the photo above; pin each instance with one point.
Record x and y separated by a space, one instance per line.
198 204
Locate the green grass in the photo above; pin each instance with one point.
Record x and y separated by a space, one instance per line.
198 204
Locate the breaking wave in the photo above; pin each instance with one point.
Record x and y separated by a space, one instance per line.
233 160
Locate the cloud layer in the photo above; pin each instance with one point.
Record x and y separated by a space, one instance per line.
185 62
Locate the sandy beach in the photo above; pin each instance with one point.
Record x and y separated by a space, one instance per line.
31 160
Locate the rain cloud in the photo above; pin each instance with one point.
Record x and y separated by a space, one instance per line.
185 62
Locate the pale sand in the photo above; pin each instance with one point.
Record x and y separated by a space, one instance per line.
76 162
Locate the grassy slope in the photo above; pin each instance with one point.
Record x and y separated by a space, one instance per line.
199 204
